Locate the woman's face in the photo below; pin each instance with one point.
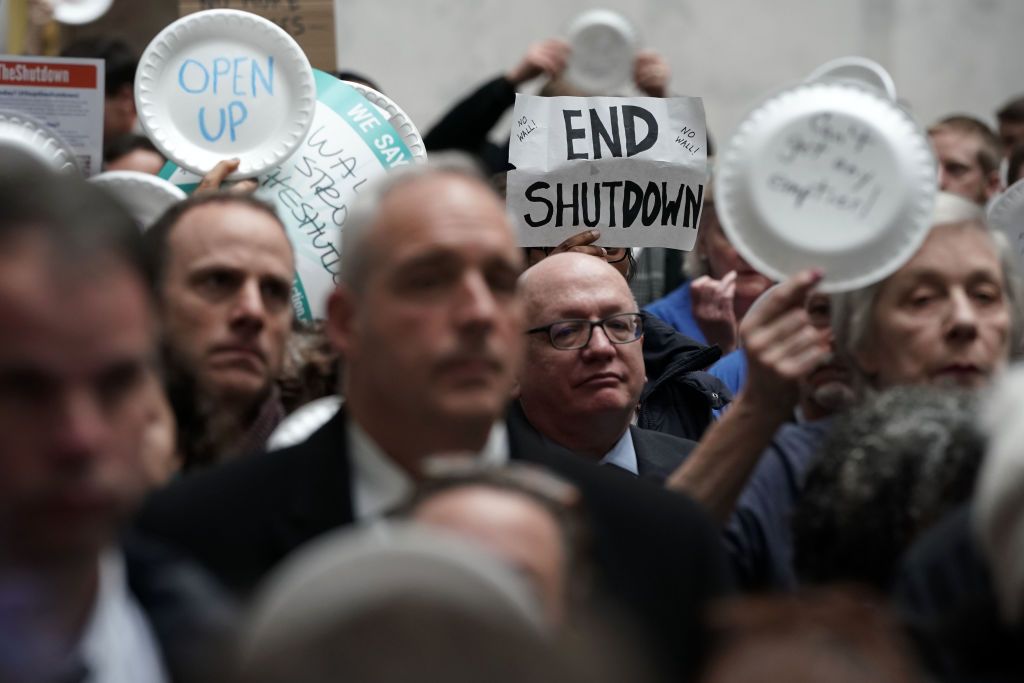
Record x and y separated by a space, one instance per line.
944 317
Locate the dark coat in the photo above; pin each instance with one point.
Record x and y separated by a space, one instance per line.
656 552
192 618
679 397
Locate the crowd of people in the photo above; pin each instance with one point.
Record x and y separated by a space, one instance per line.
487 462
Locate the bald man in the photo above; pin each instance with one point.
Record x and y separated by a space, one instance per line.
584 368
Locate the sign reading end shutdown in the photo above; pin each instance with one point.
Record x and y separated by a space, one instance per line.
634 168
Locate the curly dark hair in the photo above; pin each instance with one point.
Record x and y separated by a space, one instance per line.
888 470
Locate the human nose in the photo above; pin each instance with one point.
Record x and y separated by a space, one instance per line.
476 305
599 346
943 179
963 318
81 427
249 309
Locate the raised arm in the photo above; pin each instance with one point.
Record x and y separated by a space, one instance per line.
781 346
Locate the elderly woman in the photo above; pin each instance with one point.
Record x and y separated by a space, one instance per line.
949 316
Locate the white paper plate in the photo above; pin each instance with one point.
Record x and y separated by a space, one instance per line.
36 138
80 11
398 119
145 196
1006 214
858 69
603 48
183 65
831 175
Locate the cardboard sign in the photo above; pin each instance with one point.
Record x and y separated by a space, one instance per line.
352 140
309 22
65 94
635 168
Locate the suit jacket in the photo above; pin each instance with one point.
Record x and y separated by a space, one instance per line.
657 454
655 551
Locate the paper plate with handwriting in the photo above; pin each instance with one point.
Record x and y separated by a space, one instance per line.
225 83
36 138
1006 214
146 196
80 11
827 174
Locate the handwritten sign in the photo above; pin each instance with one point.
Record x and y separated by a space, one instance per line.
635 168
242 79
827 169
309 22
352 141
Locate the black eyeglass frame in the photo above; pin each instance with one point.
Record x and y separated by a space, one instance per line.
590 333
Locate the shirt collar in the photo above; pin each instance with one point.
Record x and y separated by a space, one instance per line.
118 643
623 454
380 484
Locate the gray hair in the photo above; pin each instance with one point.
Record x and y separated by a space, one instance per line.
852 312
355 256
887 470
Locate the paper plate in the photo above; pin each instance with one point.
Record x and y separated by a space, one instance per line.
830 175
225 83
858 69
36 138
1007 215
80 11
397 118
603 47
145 196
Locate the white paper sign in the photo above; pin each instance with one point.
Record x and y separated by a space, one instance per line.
65 94
635 168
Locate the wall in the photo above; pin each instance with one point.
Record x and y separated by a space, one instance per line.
945 55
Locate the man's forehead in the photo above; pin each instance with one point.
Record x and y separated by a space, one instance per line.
442 210
572 292
953 141
229 231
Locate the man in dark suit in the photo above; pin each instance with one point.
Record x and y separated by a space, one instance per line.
430 327
76 395
584 367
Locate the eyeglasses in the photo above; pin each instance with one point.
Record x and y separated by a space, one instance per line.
611 254
567 335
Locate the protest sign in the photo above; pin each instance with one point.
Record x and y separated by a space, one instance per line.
64 94
221 84
829 175
309 22
357 135
635 168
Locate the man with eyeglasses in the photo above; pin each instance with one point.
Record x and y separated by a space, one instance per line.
584 367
